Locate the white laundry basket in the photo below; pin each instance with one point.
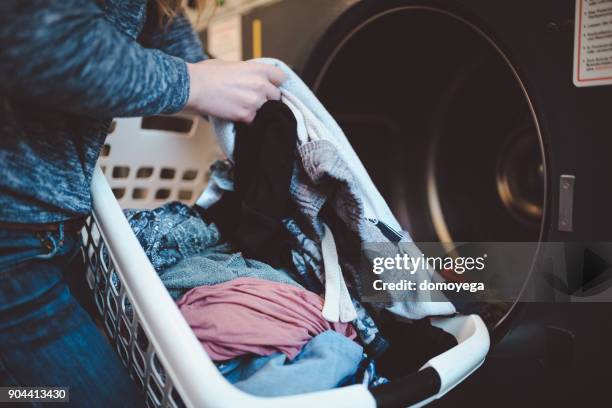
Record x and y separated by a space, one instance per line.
149 161
148 332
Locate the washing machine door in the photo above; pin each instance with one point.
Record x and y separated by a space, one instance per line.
443 122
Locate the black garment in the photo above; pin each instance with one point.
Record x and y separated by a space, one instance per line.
264 157
412 345
225 214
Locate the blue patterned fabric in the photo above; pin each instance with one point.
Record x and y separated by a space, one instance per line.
156 231
187 253
306 257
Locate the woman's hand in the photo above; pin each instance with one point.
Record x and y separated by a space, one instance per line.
232 90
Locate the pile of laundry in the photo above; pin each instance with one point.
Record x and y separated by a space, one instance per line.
265 266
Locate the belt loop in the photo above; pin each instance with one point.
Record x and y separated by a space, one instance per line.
61 233
50 243
45 239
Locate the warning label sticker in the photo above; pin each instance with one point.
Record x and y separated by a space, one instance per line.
593 43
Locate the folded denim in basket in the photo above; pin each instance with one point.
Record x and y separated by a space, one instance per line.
327 361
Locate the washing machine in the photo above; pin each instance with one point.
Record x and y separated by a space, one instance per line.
467 117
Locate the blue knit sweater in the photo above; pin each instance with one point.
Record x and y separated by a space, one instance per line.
66 69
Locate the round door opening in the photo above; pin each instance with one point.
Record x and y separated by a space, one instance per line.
444 125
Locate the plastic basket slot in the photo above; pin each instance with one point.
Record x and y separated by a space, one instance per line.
85 234
126 308
83 245
112 307
89 273
101 280
190 174
185 194
176 399
124 334
150 402
94 233
140 193
119 192
104 258
167 173
90 277
109 323
123 353
99 300
142 341
121 172
92 256
162 194
91 247
137 378
155 390
168 123
139 362
96 272
106 149
158 370
115 281
144 172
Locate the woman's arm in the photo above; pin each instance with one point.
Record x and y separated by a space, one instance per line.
231 90
66 55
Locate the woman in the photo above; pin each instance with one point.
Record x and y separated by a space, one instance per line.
66 69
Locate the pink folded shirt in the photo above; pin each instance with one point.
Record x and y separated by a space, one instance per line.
249 315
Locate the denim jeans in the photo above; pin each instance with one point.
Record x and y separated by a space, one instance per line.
46 338
327 361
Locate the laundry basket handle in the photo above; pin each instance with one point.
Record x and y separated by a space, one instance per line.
408 390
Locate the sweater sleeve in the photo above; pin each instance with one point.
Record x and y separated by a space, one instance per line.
176 38
65 54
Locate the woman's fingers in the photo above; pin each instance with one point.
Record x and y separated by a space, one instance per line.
248 117
272 93
275 75
232 90
255 100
